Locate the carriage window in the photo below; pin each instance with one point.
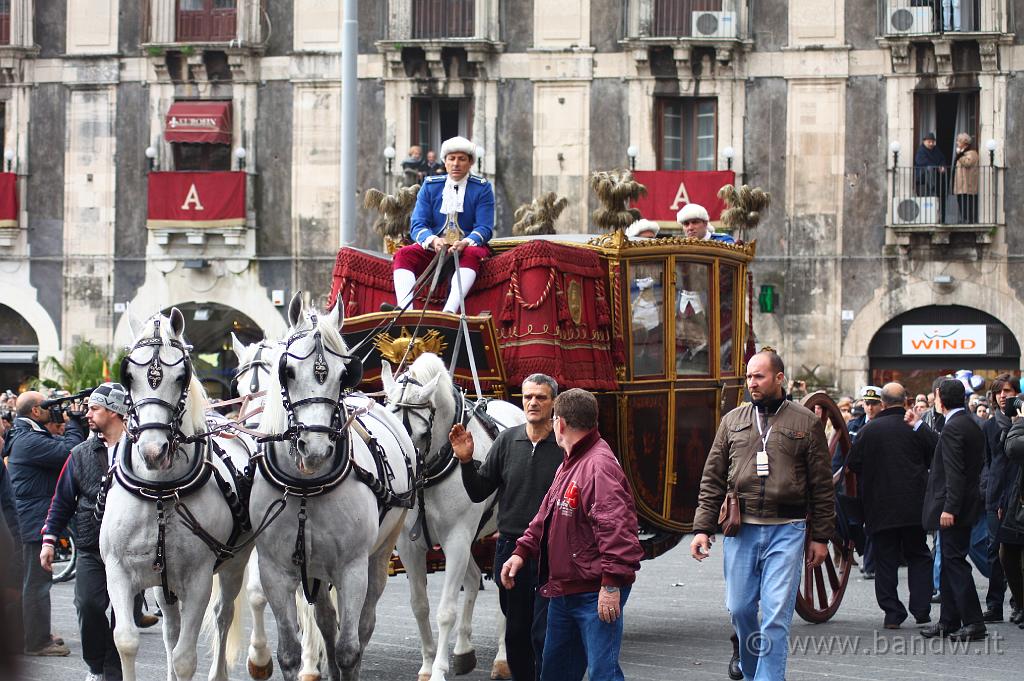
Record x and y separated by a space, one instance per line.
647 307
691 311
726 305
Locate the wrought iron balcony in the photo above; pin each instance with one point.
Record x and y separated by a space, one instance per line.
950 18
941 200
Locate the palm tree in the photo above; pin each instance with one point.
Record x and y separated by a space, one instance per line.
83 368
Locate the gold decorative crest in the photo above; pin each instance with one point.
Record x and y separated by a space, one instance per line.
574 296
393 349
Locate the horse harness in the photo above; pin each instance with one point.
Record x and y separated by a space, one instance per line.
440 467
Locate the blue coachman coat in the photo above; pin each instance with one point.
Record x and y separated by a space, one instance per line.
476 219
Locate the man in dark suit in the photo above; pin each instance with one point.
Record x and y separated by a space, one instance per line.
891 460
952 504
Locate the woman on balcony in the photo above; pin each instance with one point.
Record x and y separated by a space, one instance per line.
965 178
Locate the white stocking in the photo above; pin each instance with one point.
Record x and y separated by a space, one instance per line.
467 276
404 281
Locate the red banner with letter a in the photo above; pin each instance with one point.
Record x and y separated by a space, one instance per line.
670 190
8 200
196 200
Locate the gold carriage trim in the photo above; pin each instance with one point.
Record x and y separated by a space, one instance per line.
394 349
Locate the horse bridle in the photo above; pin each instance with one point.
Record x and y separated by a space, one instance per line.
408 408
155 376
254 365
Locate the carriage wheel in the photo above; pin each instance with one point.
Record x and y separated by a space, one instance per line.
822 589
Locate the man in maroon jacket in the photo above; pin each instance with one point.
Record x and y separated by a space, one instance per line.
584 537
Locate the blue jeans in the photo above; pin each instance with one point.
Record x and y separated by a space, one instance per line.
578 642
762 567
978 554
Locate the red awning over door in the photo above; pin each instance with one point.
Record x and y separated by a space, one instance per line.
203 122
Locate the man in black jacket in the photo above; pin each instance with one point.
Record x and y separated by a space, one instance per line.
953 504
35 459
891 460
1004 387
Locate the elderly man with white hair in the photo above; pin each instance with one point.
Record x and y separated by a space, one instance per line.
694 219
458 200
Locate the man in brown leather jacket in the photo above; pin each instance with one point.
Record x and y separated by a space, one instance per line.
774 455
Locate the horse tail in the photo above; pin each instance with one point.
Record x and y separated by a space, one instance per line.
313 646
210 631
233 643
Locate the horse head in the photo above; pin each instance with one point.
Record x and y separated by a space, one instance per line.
313 372
422 397
165 399
256 363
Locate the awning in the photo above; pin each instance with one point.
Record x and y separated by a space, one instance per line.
202 122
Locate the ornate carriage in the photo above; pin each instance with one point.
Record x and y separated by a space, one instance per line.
656 328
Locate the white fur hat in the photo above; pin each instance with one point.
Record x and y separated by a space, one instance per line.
692 211
634 230
458 144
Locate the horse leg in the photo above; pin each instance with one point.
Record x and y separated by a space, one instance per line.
126 634
464 656
327 624
456 560
260 663
376 581
500 668
280 592
351 582
171 628
231 576
415 561
193 605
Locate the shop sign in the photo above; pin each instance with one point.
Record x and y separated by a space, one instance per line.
944 339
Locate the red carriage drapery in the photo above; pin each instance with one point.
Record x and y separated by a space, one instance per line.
549 303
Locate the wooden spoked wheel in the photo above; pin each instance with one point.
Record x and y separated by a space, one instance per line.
822 588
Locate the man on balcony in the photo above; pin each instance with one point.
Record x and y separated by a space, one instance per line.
930 176
454 213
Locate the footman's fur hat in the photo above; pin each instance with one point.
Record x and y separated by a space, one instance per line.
455 144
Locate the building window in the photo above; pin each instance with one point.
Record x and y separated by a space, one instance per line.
675 18
443 18
437 119
206 20
189 156
686 132
5 22
946 114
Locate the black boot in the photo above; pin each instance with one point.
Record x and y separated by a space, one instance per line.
734 664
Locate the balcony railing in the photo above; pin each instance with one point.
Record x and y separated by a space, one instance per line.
944 195
436 19
711 19
898 18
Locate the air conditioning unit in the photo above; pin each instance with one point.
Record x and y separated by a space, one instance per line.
713 24
909 20
915 210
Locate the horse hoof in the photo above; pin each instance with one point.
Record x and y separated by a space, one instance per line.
314 676
500 670
261 672
425 676
464 663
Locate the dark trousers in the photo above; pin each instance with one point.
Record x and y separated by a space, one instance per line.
960 604
1013 568
92 602
35 597
911 544
968 205
996 579
526 615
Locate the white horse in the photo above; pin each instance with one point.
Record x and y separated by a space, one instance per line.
256 362
429 404
342 470
165 515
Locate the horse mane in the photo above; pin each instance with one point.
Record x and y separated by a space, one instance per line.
197 402
428 365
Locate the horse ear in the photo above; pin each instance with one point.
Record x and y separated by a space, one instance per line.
430 386
386 377
336 316
177 322
134 325
295 309
238 346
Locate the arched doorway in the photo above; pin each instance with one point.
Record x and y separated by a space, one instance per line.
921 344
208 327
19 350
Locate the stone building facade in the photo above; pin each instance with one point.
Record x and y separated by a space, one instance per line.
807 95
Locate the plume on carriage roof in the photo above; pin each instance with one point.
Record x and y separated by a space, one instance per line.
615 188
539 216
395 210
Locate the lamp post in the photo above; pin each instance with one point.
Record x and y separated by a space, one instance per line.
151 155
728 153
632 151
9 157
991 145
895 147
389 157
240 154
480 151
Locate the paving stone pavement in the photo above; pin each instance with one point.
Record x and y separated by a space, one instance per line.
676 628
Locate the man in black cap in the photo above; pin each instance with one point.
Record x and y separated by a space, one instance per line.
930 176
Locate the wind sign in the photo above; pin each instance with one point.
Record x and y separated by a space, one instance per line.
945 339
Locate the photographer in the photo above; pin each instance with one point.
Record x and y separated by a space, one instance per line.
35 458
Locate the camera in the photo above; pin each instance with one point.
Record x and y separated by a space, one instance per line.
70 405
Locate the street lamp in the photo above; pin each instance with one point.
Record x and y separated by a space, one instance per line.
991 146
728 153
9 157
480 151
240 154
632 151
895 147
151 155
389 157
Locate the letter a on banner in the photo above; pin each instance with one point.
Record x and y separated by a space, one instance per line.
193 199
681 197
